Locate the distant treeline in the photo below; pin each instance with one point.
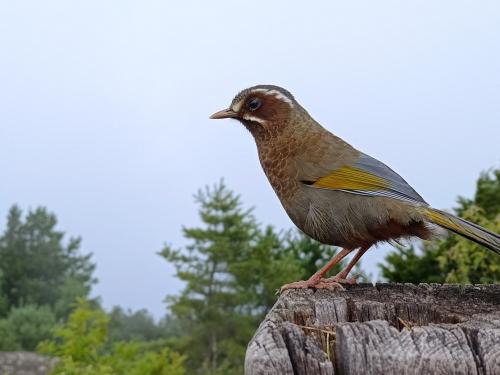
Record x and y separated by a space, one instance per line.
231 268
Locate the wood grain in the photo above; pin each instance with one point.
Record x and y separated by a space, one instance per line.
381 329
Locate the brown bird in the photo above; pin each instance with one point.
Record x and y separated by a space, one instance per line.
333 192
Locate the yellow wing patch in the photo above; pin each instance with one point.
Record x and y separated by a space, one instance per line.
352 178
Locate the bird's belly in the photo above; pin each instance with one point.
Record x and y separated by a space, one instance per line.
325 220
343 219
330 225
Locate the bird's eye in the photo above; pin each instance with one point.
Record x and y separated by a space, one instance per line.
253 104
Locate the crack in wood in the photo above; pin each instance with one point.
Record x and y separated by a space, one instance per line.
381 329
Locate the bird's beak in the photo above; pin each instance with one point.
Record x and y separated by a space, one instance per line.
225 113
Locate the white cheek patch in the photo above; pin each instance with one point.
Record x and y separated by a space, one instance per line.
248 117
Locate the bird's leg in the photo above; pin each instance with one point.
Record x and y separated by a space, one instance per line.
316 280
341 277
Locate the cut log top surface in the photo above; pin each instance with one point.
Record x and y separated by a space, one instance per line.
381 329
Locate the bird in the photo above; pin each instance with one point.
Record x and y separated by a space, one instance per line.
333 192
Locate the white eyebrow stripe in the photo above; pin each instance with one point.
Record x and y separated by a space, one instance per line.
282 97
277 94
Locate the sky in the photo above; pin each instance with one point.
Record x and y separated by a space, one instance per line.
104 110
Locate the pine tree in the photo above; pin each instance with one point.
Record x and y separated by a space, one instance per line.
41 275
232 269
37 267
209 308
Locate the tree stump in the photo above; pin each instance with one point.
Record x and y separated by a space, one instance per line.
381 329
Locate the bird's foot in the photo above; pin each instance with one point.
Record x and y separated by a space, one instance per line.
341 280
313 284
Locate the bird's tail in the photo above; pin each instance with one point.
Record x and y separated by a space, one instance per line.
465 228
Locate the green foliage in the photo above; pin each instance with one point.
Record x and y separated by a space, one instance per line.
80 338
467 262
36 266
215 331
8 338
81 343
25 327
311 254
411 265
4 301
487 195
40 277
133 358
455 259
259 269
231 269
138 325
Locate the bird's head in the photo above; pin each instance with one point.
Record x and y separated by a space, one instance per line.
262 108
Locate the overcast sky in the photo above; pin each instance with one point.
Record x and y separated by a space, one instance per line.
104 110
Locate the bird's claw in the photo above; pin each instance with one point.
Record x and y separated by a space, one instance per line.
313 284
341 280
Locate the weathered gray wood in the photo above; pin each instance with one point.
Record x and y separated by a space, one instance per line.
25 363
381 329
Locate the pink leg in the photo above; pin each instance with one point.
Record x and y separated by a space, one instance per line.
341 277
316 280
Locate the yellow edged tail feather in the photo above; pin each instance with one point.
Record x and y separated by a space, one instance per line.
464 228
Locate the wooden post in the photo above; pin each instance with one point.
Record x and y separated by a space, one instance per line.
381 329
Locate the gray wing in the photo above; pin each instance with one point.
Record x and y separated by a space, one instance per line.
399 188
